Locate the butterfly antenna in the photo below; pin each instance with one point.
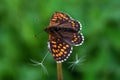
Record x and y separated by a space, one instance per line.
37 34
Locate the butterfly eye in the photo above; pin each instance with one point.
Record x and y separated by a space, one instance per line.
57 28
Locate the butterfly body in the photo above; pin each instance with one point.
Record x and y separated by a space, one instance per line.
57 29
63 34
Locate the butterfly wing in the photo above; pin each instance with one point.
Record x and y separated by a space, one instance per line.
72 38
60 19
60 49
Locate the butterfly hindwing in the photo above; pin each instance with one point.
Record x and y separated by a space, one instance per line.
59 48
75 24
73 38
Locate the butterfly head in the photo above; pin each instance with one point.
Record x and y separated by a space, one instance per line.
52 29
46 29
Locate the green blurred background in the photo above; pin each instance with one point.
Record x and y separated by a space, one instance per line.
20 20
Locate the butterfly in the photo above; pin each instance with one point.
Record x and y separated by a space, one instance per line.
63 34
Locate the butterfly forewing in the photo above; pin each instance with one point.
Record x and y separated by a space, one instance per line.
59 48
60 19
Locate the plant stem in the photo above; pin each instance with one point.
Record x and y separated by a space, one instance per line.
59 71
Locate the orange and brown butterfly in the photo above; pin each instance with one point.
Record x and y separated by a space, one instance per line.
63 34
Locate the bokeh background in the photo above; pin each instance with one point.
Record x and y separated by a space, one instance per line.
21 20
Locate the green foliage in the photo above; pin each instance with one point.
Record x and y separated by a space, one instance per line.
20 20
